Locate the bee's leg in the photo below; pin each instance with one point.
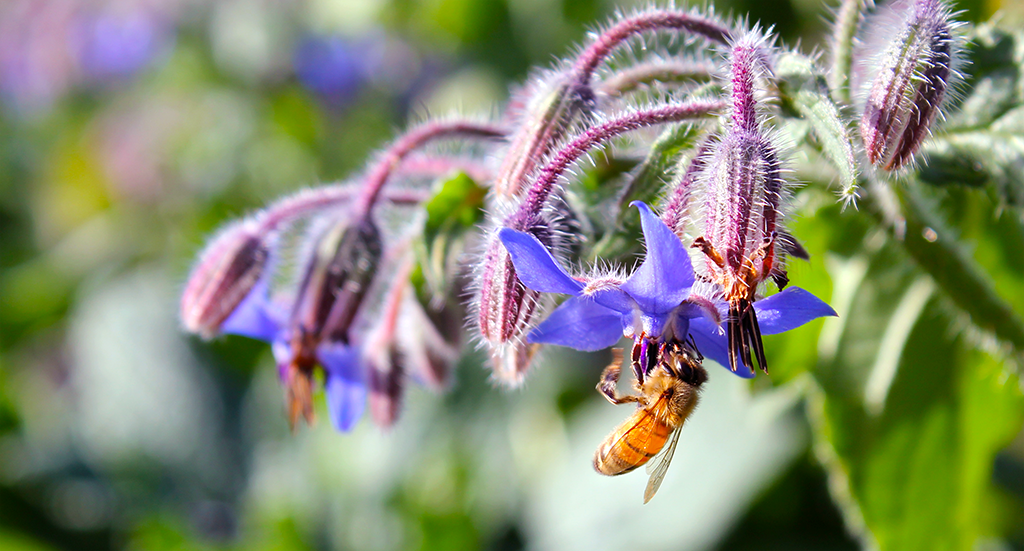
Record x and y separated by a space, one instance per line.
608 384
693 345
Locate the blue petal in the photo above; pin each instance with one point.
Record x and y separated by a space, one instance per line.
254 317
580 323
665 277
343 385
614 299
789 309
535 266
714 345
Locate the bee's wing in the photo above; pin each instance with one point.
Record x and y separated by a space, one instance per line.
658 466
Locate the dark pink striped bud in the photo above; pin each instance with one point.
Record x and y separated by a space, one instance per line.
386 381
337 278
227 270
505 310
911 59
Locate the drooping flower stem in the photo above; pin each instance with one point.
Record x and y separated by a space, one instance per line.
588 61
298 204
409 142
594 136
631 78
572 95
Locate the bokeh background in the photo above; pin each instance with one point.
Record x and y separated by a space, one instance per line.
131 129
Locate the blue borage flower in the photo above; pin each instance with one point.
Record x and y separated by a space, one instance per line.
653 303
258 317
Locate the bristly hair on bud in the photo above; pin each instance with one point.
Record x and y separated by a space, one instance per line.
744 194
228 269
906 72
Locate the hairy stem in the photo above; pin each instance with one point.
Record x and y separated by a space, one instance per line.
848 18
588 61
631 78
595 135
309 200
409 142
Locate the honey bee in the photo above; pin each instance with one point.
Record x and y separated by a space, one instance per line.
666 397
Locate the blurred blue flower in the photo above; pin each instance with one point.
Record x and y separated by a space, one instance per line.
653 303
118 45
331 67
261 318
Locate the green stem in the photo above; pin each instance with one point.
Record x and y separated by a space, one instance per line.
848 17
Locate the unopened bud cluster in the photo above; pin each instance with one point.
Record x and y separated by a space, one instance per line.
355 309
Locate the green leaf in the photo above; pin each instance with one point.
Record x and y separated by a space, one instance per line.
935 248
993 83
452 213
908 418
648 182
654 172
982 141
992 157
12 541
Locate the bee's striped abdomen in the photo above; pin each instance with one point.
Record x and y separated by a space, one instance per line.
632 444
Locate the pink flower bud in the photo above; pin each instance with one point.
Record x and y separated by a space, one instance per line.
744 191
505 310
429 343
227 270
910 62
550 111
386 385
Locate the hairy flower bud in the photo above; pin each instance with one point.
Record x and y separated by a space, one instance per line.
227 270
911 64
744 191
548 117
337 279
504 313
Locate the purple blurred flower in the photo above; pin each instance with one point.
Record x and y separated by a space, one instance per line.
118 45
36 66
653 304
331 67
